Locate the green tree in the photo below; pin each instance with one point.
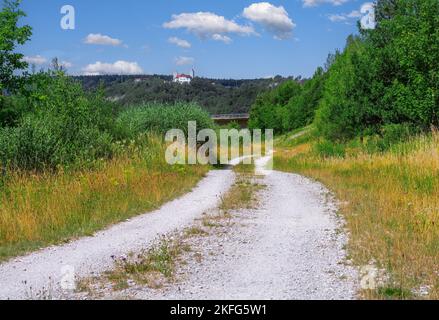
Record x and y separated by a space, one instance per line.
405 48
302 107
11 35
346 109
270 110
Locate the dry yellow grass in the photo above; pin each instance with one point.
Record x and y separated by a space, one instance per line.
391 205
37 210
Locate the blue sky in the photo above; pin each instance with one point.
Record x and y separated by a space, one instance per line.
221 39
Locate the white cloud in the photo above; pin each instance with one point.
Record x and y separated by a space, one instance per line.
37 60
354 14
180 42
314 3
344 17
337 17
66 64
119 67
207 25
274 19
99 39
220 37
181 61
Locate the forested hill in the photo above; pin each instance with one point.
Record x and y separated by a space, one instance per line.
215 95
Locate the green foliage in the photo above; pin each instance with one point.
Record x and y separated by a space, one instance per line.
387 78
161 118
11 36
11 110
271 111
65 126
302 107
289 106
214 95
406 52
380 88
345 110
233 125
328 149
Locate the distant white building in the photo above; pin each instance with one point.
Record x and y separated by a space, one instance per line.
184 78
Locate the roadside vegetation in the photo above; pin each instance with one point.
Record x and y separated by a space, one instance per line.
216 96
390 201
243 194
371 118
72 162
158 266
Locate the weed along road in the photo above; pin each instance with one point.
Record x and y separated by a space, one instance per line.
287 245
41 274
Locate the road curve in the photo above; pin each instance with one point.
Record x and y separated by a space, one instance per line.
290 247
38 275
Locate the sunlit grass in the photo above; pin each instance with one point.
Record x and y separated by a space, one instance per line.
37 210
391 205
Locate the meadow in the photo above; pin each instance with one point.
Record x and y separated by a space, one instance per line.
41 209
390 201
73 163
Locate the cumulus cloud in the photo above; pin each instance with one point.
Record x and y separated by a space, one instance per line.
99 39
207 25
66 64
222 38
37 60
314 3
119 67
344 16
337 17
180 42
347 17
182 61
274 19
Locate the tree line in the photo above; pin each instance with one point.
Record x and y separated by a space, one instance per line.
48 121
217 96
384 80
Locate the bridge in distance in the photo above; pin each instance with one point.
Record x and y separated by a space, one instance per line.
224 119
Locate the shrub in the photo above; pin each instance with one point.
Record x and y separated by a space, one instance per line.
328 149
66 126
11 110
160 118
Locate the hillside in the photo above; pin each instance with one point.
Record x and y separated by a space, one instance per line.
216 96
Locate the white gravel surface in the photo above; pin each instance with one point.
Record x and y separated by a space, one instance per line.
38 275
292 247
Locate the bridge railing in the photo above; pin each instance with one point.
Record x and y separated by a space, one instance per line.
231 116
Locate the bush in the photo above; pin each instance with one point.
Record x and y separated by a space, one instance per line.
394 133
328 149
160 118
12 109
271 110
66 126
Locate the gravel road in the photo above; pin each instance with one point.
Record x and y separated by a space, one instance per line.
291 247
39 274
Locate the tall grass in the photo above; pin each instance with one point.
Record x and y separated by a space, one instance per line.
37 210
391 204
70 164
161 118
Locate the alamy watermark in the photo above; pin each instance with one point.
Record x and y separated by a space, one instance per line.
68 20
206 147
368 20
68 278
